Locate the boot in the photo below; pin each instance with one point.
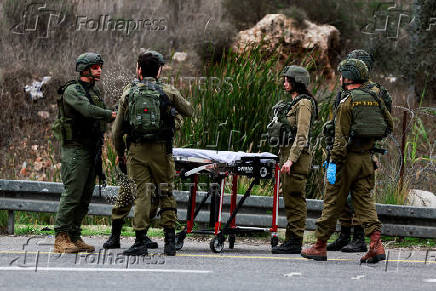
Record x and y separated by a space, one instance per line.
150 244
376 251
317 252
291 246
114 240
63 244
358 244
341 241
83 247
139 248
170 242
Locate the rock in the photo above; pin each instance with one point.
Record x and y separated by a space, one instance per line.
180 56
276 31
421 198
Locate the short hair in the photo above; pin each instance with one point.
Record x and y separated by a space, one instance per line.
149 65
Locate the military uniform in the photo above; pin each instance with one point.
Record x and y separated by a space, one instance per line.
149 163
294 184
355 172
348 219
87 115
361 119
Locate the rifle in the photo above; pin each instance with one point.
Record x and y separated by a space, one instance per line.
98 163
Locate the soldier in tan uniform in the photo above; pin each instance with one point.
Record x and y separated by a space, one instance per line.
296 116
347 220
361 119
149 153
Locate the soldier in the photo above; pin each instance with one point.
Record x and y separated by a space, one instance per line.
84 116
295 115
147 111
348 220
361 119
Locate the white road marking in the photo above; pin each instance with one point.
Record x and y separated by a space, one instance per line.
358 277
430 280
102 270
293 274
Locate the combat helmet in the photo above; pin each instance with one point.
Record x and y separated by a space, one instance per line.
362 55
354 70
88 59
298 73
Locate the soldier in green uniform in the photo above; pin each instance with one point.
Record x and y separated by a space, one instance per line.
348 220
84 117
361 119
147 114
296 115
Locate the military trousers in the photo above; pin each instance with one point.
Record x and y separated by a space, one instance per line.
356 175
294 193
78 175
153 171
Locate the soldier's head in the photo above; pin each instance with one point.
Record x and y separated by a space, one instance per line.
89 65
149 64
362 55
353 73
296 79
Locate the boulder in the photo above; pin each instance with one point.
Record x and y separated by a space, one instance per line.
316 44
421 198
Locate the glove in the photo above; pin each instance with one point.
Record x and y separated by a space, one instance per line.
331 173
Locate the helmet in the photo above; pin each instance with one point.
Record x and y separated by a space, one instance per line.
88 59
158 56
362 55
300 74
354 70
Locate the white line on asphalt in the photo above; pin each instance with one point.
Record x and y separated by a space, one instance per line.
293 274
103 270
430 280
358 277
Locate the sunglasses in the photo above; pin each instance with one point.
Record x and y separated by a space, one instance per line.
95 67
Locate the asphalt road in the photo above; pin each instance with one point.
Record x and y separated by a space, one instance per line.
28 264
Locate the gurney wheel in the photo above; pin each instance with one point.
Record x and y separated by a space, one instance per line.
217 244
274 241
232 239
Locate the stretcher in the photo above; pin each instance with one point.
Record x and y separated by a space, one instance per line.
218 166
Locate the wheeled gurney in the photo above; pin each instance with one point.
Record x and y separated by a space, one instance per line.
218 165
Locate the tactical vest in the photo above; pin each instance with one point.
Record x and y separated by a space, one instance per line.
74 127
150 115
371 119
279 130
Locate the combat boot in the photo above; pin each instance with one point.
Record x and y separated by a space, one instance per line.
317 252
139 248
358 244
291 246
376 251
113 241
341 241
82 246
150 244
170 241
63 244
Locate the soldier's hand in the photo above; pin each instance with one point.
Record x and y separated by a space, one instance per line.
286 168
122 164
114 114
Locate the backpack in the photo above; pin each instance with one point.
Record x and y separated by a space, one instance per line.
62 126
147 105
371 118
